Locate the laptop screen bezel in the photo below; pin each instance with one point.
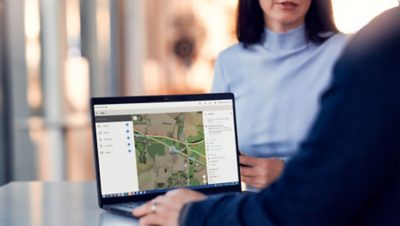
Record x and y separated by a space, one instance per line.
157 99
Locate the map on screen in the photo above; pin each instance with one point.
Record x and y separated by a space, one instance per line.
170 150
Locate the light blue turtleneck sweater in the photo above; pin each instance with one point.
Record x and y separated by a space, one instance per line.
277 85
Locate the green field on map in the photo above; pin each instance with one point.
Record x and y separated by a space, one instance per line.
170 150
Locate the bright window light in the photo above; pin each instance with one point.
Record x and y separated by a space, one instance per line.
351 15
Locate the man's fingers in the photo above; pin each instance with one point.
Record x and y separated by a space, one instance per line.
184 195
147 207
159 199
247 171
256 171
153 219
253 181
249 180
245 179
161 216
246 160
178 192
142 210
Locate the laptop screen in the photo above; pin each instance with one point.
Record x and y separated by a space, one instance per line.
145 148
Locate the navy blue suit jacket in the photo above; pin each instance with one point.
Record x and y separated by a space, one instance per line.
348 169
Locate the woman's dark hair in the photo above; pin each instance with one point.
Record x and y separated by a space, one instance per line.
250 21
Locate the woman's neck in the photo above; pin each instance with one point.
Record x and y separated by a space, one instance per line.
282 27
283 41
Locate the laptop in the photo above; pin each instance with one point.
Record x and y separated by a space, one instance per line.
145 146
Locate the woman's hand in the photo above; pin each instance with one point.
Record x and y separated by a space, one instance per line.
165 209
260 172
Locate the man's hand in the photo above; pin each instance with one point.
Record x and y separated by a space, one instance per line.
164 210
260 172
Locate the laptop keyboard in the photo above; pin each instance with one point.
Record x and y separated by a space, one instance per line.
131 205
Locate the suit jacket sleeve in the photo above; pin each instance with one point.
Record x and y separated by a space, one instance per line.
347 171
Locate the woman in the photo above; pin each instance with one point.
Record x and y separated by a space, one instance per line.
277 72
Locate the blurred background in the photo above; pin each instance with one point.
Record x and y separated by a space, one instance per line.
56 54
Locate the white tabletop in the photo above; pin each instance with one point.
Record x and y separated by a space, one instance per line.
55 204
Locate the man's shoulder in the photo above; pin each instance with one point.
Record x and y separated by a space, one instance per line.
382 29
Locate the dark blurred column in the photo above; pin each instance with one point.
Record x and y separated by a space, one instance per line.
24 156
5 107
